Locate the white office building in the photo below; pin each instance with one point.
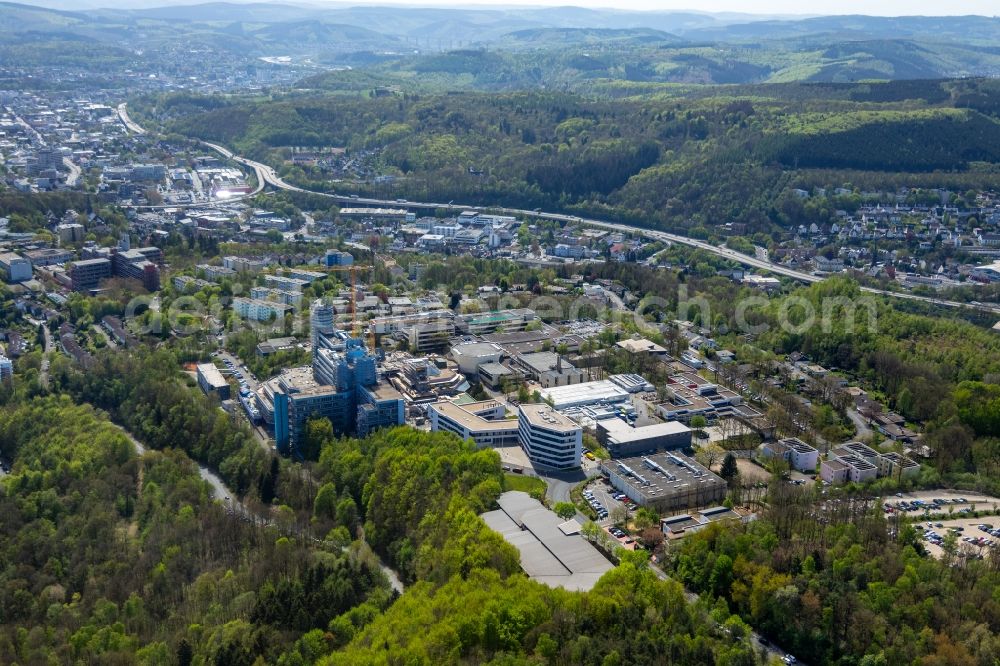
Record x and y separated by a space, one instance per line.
482 422
549 438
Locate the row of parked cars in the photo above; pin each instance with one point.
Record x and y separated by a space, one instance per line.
602 511
621 535
923 505
245 394
981 540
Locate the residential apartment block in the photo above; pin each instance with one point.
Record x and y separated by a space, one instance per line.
799 455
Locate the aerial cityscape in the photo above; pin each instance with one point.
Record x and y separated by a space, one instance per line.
446 334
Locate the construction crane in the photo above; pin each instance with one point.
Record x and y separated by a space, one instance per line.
355 324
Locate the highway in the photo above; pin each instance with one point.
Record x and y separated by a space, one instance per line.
127 122
74 172
266 175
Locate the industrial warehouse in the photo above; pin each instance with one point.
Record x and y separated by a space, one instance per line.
665 481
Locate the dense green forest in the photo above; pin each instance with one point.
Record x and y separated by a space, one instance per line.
114 559
94 534
835 584
673 157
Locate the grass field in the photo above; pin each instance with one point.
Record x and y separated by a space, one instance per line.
529 484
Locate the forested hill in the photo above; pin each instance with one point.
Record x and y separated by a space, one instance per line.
114 559
675 47
648 154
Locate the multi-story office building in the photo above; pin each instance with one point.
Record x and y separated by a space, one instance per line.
139 264
622 439
379 406
71 233
48 256
88 273
148 172
337 258
341 386
549 438
320 322
211 381
799 455
896 466
665 481
482 422
425 331
490 322
43 160
858 463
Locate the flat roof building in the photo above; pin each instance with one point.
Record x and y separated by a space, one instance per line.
474 354
587 393
895 465
211 381
642 346
623 440
548 369
14 268
6 369
665 481
257 310
552 550
549 438
482 422
48 256
799 455
88 273
490 322
284 283
859 463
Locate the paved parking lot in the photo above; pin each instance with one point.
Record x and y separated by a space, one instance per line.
955 503
969 529
602 493
624 539
973 501
514 456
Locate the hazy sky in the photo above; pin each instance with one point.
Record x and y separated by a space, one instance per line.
768 7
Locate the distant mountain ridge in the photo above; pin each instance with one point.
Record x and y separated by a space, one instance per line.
572 45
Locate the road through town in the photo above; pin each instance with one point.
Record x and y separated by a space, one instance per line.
266 174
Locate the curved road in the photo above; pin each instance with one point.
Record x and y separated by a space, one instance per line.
128 122
135 128
266 174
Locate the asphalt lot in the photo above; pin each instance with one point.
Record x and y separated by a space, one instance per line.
974 501
602 493
969 525
969 529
